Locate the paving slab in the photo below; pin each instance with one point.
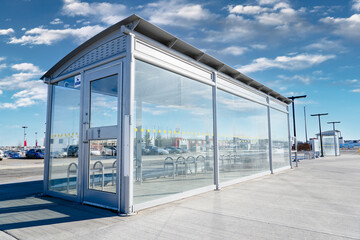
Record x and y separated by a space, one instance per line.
318 200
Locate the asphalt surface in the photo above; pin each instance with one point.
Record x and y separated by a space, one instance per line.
318 200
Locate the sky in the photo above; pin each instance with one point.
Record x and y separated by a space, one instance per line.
294 47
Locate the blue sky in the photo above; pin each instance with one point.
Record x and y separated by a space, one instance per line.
294 47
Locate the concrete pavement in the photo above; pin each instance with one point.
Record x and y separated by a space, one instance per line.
318 200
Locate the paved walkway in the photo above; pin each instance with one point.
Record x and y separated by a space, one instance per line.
318 200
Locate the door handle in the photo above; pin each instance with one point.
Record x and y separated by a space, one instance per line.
86 128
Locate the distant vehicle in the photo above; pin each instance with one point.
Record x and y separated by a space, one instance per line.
173 150
108 151
2 155
152 150
72 151
12 154
95 152
35 153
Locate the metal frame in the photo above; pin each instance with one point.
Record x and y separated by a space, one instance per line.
92 196
270 139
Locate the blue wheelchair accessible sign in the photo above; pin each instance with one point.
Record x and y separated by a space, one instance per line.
77 81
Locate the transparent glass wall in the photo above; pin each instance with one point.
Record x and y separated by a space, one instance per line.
64 142
173 146
102 165
328 145
242 137
280 139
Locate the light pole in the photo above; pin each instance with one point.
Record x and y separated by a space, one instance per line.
333 123
36 140
306 138
24 127
321 145
293 107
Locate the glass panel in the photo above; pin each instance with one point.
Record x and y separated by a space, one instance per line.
328 145
173 146
280 139
104 101
64 142
242 137
102 165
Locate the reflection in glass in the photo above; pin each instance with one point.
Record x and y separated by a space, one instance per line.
280 139
104 101
64 141
242 137
173 146
328 145
102 165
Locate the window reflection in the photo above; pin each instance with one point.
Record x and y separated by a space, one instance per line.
280 139
242 137
64 141
173 139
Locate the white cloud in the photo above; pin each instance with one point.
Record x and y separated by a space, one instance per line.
268 2
246 22
1 92
108 13
29 90
26 67
241 9
356 5
6 31
39 35
258 46
56 21
325 45
234 50
299 61
347 27
302 79
2 66
356 90
176 13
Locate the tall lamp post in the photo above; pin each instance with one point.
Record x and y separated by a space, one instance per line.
333 123
321 145
36 144
305 125
293 108
24 127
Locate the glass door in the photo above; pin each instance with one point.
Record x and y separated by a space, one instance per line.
101 128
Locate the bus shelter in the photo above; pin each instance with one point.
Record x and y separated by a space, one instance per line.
137 117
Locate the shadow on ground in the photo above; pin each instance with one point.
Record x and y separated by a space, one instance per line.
22 206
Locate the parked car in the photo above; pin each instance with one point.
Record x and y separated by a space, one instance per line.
35 153
1 155
12 154
108 151
72 151
152 150
173 150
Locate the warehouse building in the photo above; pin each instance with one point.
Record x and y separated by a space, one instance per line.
137 117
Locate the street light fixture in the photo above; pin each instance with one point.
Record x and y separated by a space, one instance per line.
321 145
293 107
333 123
24 127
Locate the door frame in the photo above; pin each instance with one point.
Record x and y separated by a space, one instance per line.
90 196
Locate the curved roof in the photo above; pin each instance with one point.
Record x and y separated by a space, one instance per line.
138 24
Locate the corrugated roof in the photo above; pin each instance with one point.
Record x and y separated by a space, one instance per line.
151 31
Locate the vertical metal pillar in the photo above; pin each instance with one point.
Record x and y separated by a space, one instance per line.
270 139
126 190
47 138
215 138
